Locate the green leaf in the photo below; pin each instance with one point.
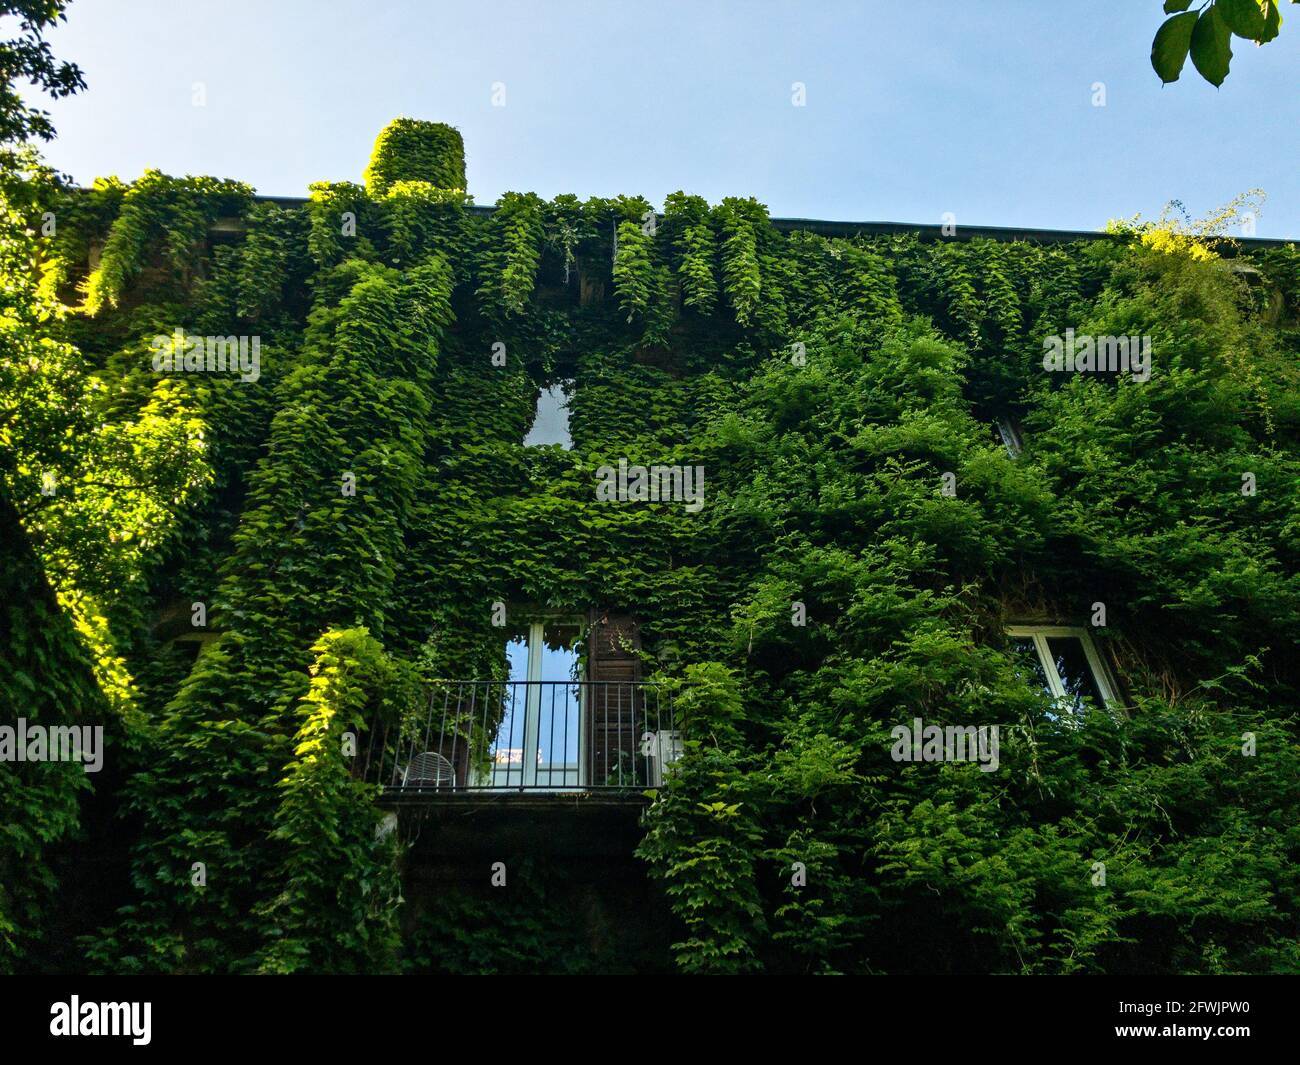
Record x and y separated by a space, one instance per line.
1212 46
1272 21
1246 18
1169 49
1176 5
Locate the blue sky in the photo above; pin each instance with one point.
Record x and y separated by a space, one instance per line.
913 109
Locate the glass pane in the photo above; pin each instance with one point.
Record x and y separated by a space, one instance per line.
1028 666
551 420
560 651
1076 674
558 709
1010 437
507 749
517 656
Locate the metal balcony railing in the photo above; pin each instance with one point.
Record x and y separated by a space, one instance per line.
557 736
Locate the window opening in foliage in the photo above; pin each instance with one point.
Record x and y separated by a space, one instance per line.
1010 435
551 417
1064 663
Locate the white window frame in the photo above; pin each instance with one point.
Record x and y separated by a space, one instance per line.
1100 674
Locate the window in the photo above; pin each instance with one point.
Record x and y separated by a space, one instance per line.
551 418
539 741
1063 661
1010 435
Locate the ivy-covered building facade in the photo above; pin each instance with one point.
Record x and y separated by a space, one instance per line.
571 586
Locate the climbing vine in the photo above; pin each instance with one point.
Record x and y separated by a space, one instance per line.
351 520
174 213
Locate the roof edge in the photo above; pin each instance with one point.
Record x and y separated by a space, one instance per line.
924 231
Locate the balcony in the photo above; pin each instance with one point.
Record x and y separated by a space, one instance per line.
491 738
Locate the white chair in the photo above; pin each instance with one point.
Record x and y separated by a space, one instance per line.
429 769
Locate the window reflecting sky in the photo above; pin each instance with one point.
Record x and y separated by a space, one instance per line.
551 419
556 707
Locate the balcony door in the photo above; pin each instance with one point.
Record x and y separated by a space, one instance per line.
539 743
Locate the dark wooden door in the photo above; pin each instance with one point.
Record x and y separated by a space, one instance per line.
615 702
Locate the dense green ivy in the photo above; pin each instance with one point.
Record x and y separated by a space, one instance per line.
693 245
409 150
512 251
158 208
48 682
742 272
825 385
318 921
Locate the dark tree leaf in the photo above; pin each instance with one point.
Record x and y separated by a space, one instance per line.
1246 18
1169 49
1212 46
